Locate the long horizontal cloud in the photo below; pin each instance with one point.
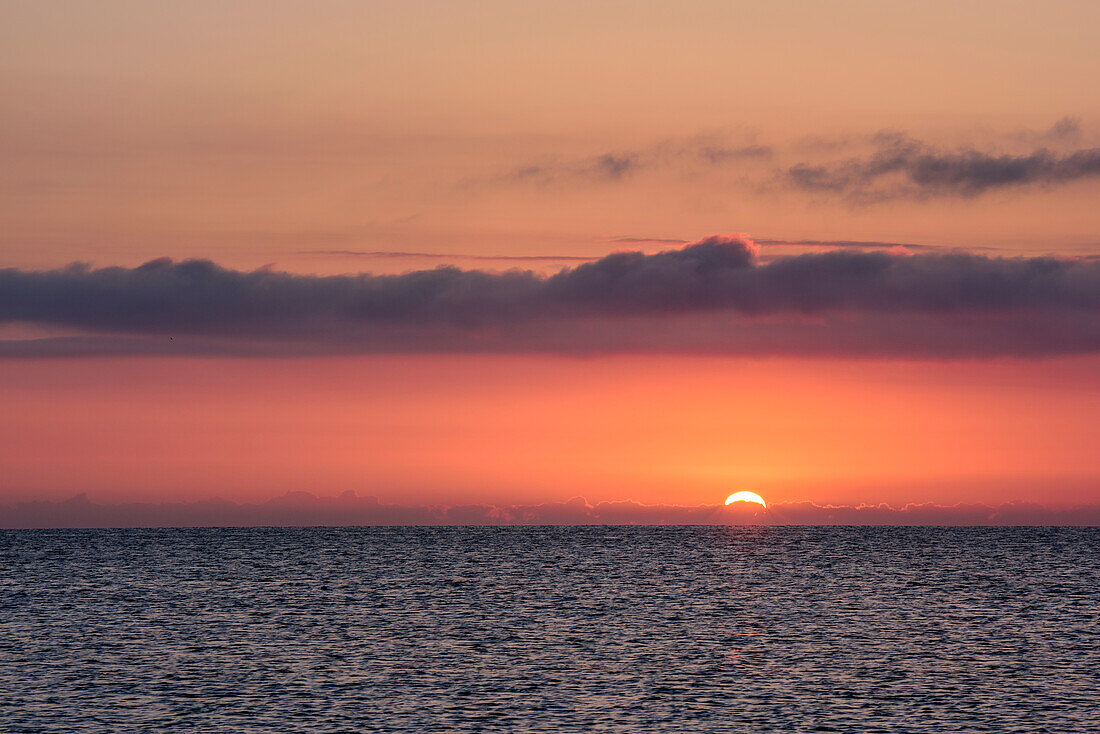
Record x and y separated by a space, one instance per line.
710 296
305 509
903 167
815 244
402 255
880 166
620 165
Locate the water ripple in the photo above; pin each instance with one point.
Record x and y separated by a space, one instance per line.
551 630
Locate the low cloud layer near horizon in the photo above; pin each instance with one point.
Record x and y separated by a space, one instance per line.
298 509
709 296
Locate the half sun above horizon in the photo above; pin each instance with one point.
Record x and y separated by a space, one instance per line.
746 497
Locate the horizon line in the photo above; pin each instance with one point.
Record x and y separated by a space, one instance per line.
303 509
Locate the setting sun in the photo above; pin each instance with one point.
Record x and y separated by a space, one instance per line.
746 497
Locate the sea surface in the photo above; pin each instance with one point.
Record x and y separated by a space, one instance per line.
576 629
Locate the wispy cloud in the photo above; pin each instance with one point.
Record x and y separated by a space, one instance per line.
820 244
1068 128
605 167
399 255
647 241
618 165
879 166
851 244
903 167
713 295
1063 131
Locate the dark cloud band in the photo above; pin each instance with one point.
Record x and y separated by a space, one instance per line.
710 296
904 167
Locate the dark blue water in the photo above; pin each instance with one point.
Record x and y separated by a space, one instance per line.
551 630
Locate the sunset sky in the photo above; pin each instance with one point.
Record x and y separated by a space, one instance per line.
831 252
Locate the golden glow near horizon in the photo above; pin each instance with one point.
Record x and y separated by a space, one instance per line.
746 497
430 429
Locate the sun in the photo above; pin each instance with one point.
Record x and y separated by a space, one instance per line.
747 497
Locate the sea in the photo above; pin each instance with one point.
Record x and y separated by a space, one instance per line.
551 629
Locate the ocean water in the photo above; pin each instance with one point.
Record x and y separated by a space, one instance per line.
593 629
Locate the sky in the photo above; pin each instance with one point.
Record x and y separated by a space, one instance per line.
514 253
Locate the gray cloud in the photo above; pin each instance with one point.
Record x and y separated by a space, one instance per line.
1068 128
818 244
619 165
606 167
884 165
904 167
710 296
615 166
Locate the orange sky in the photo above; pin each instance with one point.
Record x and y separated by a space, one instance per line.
304 136
675 430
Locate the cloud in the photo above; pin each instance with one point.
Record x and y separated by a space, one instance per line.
1068 128
817 244
647 241
902 167
696 153
348 509
721 154
398 255
888 164
711 296
853 245
615 166
606 167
